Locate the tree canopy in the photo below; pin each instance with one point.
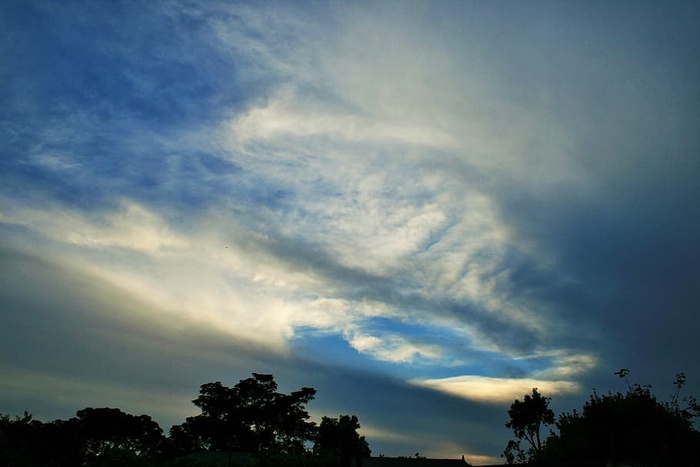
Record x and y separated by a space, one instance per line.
251 417
337 439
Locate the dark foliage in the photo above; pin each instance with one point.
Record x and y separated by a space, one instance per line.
631 428
272 428
111 431
527 417
19 437
96 437
337 440
251 417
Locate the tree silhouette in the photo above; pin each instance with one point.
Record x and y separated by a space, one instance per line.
526 419
108 430
338 441
96 437
19 437
633 427
251 416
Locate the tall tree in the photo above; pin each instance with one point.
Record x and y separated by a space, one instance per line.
251 416
527 417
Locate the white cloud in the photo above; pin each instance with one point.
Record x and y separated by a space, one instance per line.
393 347
568 366
496 390
187 276
286 115
131 227
338 315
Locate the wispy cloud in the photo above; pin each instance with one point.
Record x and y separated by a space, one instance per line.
131 227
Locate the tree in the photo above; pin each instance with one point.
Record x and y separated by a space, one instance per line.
633 428
338 441
527 417
96 437
272 427
251 416
110 431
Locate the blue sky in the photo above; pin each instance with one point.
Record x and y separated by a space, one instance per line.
421 209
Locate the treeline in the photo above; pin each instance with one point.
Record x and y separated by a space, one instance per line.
632 428
252 417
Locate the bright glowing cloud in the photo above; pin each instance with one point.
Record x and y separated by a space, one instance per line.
496 390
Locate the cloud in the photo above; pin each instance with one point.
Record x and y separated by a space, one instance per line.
289 115
496 390
393 348
131 227
426 230
569 366
419 213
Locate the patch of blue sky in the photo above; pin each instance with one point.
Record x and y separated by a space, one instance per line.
334 348
421 331
28 182
456 362
403 327
194 186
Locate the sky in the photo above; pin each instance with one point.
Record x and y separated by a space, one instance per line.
422 209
